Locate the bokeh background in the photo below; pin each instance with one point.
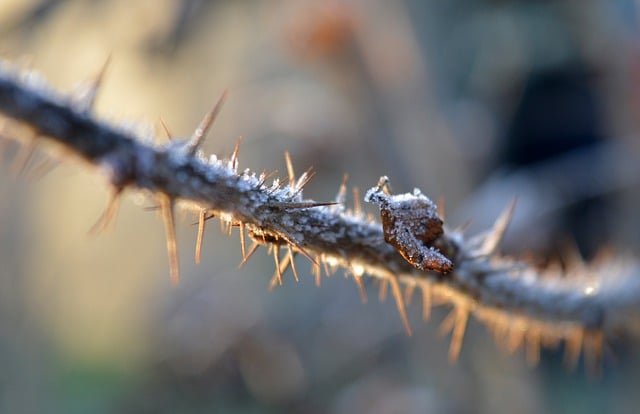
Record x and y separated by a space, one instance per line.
471 101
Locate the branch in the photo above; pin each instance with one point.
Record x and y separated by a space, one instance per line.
520 304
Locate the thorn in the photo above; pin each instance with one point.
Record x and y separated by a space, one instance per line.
439 298
571 256
252 250
109 214
201 131
498 327
243 245
293 264
276 256
274 279
166 129
88 94
397 294
166 206
290 171
532 347
408 293
361 289
447 323
342 192
25 154
97 83
593 343
206 218
357 205
281 267
264 177
42 169
200 237
604 255
384 185
325 265
549 341
441 208
382 293
292 205
273 282
515 337
462 316
261 178
426 301
226 225
463 227
234 155
497 232
303 251
315 270
304 180
572 349
275 186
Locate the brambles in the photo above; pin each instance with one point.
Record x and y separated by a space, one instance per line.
523 307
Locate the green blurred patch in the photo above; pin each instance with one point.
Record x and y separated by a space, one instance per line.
90 386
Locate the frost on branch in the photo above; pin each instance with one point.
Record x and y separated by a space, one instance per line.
524 307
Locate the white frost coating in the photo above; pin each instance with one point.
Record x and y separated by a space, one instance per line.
247 183
227 218
357 269
594 298
142 130
287 220
327 237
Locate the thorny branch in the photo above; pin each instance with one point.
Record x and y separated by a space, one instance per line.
522 306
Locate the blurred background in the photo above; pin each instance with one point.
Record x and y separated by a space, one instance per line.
471 101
